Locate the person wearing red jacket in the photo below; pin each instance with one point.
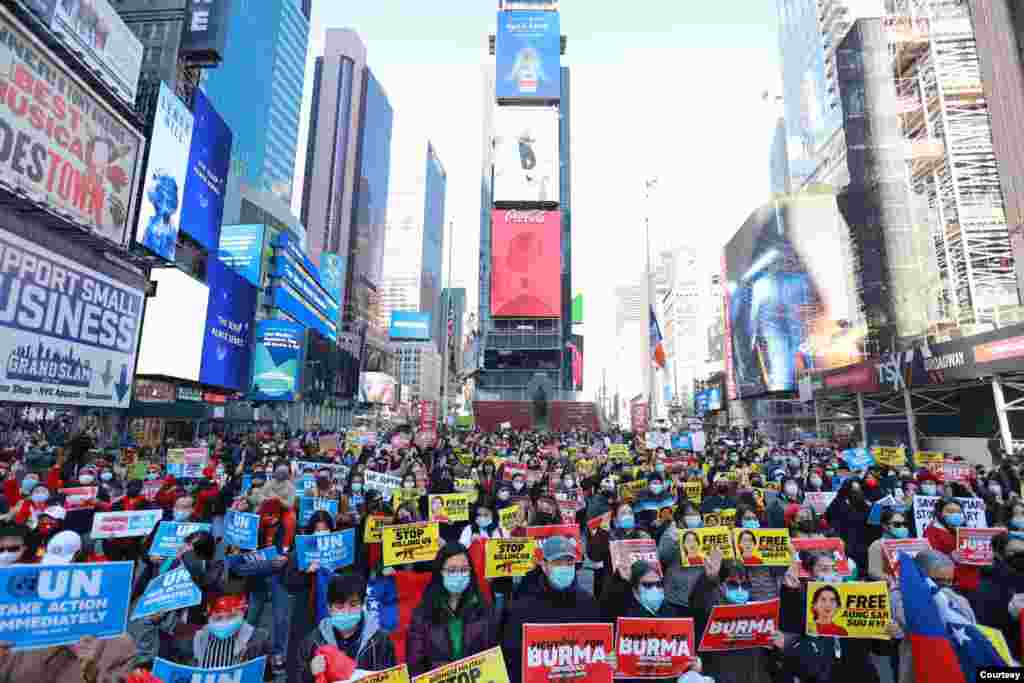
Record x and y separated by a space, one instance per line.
941 534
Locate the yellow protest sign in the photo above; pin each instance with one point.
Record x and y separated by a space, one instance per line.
618 449
402 496
929 459
405 543
397 674
694 491
696 544
509 557
466 459
467 486
853 609
449 507
586 467
487 667
629 491
374 525
890 456
763 547
511 517
727 517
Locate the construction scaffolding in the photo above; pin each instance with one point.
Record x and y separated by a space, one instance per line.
950 160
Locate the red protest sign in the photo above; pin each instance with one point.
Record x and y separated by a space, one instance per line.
957 472
892 547
974 546
832 546
80 497
625 553
741 627
600 522
510 469
557 652
654 648
570 530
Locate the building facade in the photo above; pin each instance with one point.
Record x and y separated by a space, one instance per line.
269 38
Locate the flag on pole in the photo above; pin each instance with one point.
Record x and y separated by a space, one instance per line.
657 349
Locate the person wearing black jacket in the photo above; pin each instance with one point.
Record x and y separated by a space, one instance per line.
560 600
996 602
848 516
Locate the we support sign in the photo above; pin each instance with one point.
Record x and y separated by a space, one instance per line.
46 605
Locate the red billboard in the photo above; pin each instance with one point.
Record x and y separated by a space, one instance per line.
526 268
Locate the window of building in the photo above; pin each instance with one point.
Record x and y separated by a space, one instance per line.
145 31
159 31
153 56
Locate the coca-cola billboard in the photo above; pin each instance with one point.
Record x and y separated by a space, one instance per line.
526 252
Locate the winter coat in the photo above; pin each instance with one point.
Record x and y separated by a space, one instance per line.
679 580
114 661
546 606
850 523
739 666
667 611
991 600
282 490
966 577
375 652
429 645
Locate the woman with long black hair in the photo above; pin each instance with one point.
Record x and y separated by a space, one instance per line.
454 619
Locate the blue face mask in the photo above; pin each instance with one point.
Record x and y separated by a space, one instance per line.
898 532
751 524
455 584
737 596
225 629
626 522
182 515
561 577
1017 522
652 598
28 484
347 620
694 522
659 468
657 489
954 519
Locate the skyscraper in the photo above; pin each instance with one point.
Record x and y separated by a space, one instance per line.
258 89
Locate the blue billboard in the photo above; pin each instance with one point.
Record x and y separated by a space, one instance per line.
528 55
297 289
277 360
227 336
409 325
286 299
209 157
333 268
241 249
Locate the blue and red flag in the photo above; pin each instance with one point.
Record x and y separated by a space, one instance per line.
657 349
947 647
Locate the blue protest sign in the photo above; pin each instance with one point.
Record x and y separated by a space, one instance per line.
46 605
330 550
305 484
171 535
682 442
858 458
242 529
308 505
246 483
169 591
248 672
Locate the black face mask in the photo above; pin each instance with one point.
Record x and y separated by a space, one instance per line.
1016 562
544 518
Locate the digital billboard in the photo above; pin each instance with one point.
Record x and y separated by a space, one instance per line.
528 49
241 249
227 335
526 164
209 157
69 332
204 32
409 325
166 169
298 291
98 35
377 387
333 268
791 295
172 343
527 263
277 360
55 152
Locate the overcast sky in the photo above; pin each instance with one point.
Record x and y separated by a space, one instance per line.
660 88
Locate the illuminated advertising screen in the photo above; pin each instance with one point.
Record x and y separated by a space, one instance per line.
526 164
409 325
209 156
791 295
172 343
277 360
527 263
241 249
527 51
333 268
377 387
227 336
166 170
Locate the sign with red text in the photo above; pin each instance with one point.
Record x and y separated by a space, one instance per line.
80 497
561 652
654 648
625 553
741 627
891 549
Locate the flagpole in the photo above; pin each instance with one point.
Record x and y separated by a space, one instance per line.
444 333
648 186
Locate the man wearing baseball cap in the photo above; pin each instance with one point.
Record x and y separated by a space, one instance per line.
560 601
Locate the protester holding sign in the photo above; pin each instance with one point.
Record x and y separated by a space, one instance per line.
1000 596
848 516
941 534
453 620
227 640
484 525
681 574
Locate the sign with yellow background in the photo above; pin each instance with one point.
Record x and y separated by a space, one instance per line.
853 609
486 667
696 544
405 543
467 486
509 557
694 491
448 507
397 674
890 456
763 547
511 517
374 526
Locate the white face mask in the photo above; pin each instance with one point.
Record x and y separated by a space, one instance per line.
86 479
